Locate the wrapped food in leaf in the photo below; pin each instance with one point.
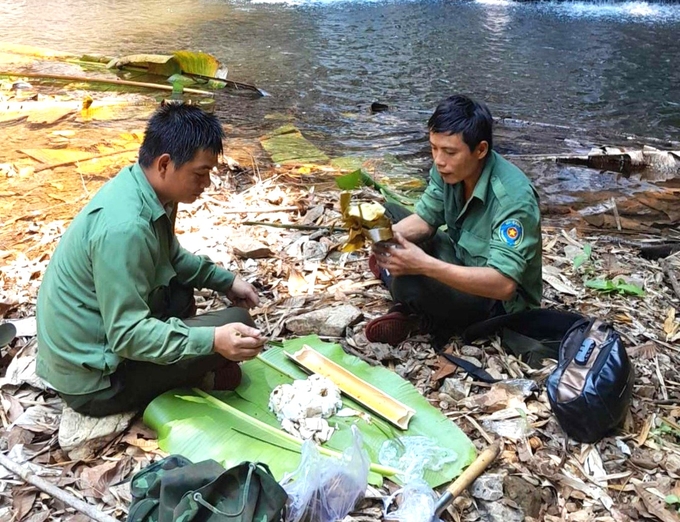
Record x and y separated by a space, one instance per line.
365 220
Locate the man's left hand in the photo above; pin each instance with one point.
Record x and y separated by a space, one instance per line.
404 258
243 294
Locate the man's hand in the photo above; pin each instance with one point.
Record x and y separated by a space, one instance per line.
243 294
238 342
402 257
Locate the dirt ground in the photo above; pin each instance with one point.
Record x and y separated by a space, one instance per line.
540 474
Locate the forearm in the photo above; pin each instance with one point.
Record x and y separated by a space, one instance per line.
481 281
414 228
160 342
200 271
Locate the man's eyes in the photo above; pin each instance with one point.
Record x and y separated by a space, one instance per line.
448 152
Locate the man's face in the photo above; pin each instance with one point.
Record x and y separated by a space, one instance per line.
454 159
186 183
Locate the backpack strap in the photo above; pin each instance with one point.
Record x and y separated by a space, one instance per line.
532 335
477 372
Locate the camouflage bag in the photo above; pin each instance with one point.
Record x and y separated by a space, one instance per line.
175 490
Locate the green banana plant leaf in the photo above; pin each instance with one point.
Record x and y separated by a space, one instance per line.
188 424
287 145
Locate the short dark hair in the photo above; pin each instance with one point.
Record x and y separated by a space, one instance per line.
459 114
180 130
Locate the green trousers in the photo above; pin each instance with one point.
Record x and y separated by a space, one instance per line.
135 383
444 311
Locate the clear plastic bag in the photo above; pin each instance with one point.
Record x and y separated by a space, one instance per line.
417 503
325 489
414 455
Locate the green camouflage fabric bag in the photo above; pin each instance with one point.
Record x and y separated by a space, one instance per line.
145 488
175 490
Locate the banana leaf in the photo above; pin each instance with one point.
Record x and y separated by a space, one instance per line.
189 425
287 145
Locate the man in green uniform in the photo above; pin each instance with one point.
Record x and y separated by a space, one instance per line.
488 259
115 309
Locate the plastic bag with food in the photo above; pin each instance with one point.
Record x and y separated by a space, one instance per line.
326 489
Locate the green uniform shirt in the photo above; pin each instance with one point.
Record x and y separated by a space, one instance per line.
499 226
93 306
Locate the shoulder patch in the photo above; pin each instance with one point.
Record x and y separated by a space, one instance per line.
511 232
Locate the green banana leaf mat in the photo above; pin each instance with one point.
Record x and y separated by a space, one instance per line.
190 425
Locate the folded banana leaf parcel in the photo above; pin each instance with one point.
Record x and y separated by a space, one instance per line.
237 426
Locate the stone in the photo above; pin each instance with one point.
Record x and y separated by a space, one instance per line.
82 437
326 321
488 487
457 389
498 512
672 465
525 495
249 248
472 351
314 251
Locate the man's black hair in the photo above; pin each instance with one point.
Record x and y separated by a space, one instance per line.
459 114
181 131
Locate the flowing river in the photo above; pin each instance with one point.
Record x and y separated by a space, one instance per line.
584 73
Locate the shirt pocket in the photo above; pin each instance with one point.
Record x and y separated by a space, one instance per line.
473 250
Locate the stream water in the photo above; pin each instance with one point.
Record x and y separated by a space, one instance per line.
594 72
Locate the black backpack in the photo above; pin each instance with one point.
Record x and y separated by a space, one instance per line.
591 387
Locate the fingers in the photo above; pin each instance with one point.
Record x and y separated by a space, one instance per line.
246 331
400 239
245 354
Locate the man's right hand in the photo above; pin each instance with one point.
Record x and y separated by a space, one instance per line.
238 342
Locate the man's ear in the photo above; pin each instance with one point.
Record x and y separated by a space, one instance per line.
482 150
163 164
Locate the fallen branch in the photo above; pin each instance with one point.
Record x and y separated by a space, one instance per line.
144 85
296 227
67 498
64 163
228 209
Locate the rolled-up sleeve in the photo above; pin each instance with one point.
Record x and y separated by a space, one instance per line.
430 207
515 232
123 265
199 271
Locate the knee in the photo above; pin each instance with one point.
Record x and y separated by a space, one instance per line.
241 315
407 289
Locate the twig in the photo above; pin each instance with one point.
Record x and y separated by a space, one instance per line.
52 490
616 214
481 431
64 163
659 375
670 274
86 79
296 227
36 213
231 210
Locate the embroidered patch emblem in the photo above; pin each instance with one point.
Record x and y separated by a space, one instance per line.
511 232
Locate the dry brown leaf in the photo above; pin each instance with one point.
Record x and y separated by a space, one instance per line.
656 505
41 516
669 325
297 284
642 351
94 482
22 502
445 367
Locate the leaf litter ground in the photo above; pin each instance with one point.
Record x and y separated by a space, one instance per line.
539 475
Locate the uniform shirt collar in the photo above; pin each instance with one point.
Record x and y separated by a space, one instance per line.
147 193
